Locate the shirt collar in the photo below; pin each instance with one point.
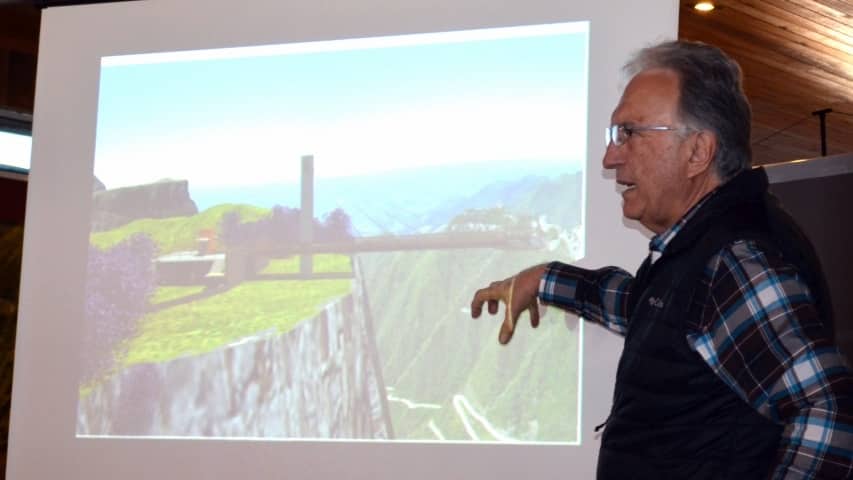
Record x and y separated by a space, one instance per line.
659 242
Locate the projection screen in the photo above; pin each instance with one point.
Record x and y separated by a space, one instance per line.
253 232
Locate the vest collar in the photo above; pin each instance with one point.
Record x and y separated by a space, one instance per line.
747 187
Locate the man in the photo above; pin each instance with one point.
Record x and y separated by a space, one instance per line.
728 369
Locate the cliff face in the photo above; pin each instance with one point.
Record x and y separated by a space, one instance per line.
319 380
116 207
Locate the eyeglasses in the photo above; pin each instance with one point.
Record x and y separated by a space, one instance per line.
619 134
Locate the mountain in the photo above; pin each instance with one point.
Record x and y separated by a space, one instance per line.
402 201
558 199
120 206
440 364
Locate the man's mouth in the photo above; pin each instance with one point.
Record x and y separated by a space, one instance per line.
623 186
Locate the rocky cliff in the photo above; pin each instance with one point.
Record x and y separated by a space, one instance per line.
163 199
320 380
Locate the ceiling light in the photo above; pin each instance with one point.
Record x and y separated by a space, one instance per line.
704 6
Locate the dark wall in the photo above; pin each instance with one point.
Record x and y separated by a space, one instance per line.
13 194
13 201
19 32
822 208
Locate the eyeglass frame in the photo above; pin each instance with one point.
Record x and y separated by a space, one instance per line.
612 132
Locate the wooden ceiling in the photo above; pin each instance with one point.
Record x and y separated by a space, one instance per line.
797 58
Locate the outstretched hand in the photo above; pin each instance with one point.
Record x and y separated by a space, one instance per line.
518 293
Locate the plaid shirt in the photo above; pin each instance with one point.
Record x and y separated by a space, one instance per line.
760 332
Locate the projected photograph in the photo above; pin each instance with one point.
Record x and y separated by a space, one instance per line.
285 239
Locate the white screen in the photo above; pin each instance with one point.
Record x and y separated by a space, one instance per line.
428 125
432 158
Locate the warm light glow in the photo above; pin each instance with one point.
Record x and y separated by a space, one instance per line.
704 6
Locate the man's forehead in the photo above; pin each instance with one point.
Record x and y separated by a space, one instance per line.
649 92
657 81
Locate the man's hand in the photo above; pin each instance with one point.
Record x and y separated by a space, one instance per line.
518 293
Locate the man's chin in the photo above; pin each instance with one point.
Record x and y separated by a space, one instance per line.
629 213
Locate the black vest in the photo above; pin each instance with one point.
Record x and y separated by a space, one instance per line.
672 416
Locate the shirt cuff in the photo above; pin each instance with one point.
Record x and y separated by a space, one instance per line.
560 285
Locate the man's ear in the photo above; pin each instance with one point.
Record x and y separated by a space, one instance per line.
702 153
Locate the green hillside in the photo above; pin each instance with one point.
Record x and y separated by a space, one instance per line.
323 263
176 233
432 350
208 319
205 325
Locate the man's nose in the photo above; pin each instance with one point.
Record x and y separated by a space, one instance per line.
612 157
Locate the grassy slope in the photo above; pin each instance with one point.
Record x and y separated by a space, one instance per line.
205 325
169 293
323 263
176 233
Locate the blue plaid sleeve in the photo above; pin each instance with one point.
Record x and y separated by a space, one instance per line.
762 334
597 295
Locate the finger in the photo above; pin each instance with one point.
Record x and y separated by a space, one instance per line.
477 303
493 306
507 329
534 314
493 294
476 310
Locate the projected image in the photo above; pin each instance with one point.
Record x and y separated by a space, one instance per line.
285 239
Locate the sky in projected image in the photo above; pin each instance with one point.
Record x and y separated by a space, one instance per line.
361 107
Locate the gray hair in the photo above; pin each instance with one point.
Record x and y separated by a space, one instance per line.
712 97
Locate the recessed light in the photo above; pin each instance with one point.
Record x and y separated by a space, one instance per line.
704 6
